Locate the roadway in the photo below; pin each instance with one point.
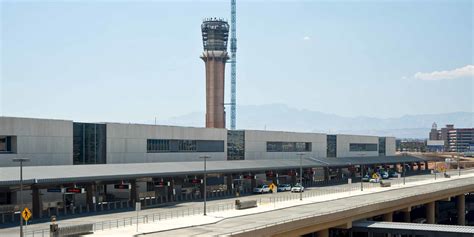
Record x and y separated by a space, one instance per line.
352 205
187 207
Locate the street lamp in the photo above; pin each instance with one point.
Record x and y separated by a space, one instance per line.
404 173
300 154
21 160
459 165
205 181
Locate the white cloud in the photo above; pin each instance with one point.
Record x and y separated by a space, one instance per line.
466 71
306 38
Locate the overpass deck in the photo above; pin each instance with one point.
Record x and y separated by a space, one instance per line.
330 213
413 229
309 215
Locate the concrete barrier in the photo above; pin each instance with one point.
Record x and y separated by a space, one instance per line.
239 205
75 230
385 184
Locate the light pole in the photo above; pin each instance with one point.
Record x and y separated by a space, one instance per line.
205 181
21 160
301 174
459 167
404 173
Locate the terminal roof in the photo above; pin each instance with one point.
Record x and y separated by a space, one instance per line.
109 172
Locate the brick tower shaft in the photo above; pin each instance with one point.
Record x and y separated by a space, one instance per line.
215 72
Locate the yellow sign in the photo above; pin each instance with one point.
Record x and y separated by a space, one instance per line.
26 214
272 187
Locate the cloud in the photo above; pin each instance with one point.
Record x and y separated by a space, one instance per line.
462 72
306 38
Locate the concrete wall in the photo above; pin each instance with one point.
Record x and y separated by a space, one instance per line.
44 141
390 146
256 144
127 143
343 142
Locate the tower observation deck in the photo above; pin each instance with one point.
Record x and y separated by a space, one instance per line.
215 34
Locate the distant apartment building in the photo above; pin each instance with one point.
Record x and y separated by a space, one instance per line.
454 139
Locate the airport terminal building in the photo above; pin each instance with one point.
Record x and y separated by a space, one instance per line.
75 167
64 142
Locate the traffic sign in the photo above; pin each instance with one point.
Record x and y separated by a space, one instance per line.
272 187
26 214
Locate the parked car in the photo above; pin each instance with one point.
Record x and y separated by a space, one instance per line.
262 189
393 174
284 187
297 188
374 180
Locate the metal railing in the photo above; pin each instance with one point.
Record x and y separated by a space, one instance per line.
147 218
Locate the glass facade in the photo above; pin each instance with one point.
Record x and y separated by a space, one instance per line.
89 143
362 147
5 144
288 146
235 145
381 146
331 146
167 145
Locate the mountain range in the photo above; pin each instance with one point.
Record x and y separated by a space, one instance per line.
281 117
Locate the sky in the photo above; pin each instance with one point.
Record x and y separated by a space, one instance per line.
137 60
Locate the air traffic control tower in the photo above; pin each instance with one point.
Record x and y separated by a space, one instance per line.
215 33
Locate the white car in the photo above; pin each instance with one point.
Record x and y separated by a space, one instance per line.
262 189
284 187
297 188
374 180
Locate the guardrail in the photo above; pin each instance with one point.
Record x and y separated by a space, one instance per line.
183 212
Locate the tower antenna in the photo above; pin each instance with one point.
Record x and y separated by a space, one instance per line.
233 60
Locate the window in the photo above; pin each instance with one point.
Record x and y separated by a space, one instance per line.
362 147
167 145
235 145
89 143
331 146
381 146
288 146
7 144
187 145
158 145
